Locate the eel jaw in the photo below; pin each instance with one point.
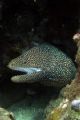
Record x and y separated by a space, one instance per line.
20 79
27 73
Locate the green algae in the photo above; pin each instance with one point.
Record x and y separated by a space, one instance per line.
31 108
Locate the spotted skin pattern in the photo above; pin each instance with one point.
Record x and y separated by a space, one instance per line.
45 64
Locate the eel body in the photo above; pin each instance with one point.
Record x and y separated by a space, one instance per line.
45 64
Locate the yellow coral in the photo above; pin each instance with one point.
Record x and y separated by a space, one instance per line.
72 90
58 112
55 114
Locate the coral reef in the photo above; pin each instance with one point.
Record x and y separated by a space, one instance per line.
5 115
63 111
58 113
69 107
73 90
75 104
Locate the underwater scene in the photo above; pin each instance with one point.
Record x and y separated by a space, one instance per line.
39 60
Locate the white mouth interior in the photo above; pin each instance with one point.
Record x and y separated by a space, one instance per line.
28 70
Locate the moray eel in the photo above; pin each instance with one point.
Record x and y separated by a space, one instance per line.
45 64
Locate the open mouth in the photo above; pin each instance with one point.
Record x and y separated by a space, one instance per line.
16 73
23 73
22 70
